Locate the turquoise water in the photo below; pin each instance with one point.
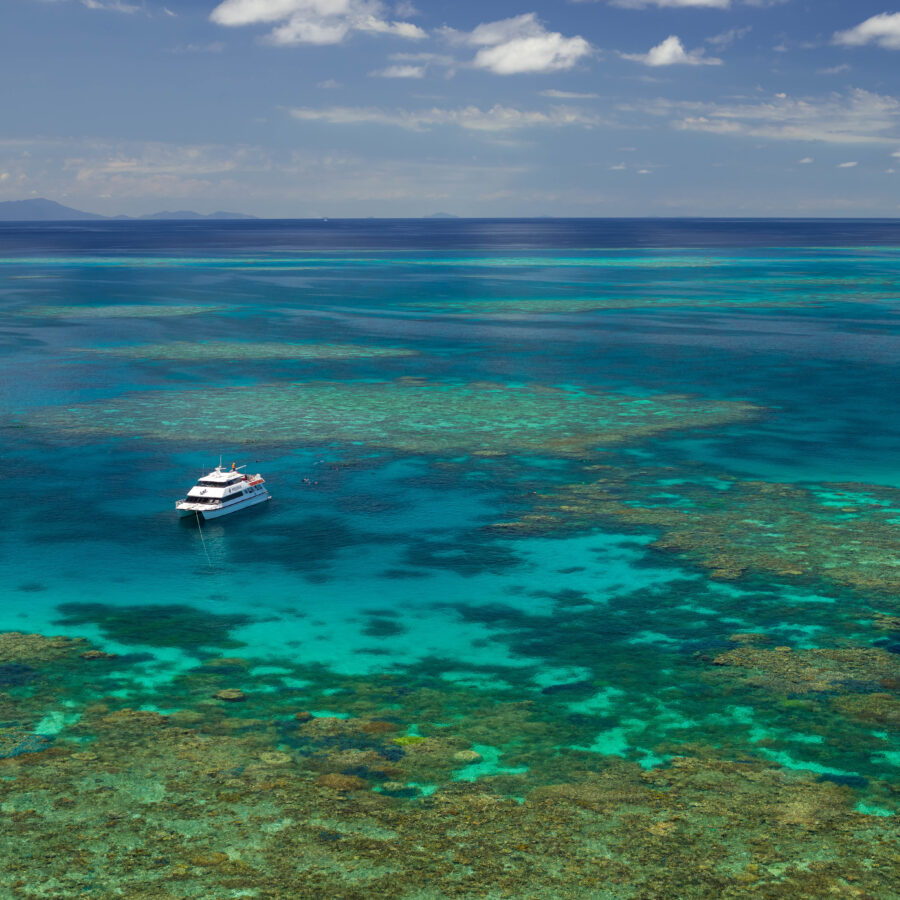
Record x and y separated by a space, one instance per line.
649 495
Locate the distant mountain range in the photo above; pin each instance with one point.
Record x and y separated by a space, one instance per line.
190 214
41 210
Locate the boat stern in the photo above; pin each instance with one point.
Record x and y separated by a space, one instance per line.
185 509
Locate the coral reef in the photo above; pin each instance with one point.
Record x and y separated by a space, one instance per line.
814 671
119 311
409 415
217 800
858 682
520 307
202 351
844 534
16 647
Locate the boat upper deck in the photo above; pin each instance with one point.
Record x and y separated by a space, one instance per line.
223 483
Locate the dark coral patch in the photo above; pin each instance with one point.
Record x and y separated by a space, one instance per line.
854 781
14 742
31 587
469 555
165 625
15 674
382 627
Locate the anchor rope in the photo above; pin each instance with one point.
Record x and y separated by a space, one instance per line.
203 540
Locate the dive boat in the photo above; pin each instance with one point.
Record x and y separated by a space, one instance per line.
221 492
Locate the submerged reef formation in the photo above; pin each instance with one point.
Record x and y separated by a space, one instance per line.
201 351
119 311
700 703
843 534
860 683
229 787
563 305
174 625
409 415
727 288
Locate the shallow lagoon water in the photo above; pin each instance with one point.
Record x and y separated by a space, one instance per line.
495 587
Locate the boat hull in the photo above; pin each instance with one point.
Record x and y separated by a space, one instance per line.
216 513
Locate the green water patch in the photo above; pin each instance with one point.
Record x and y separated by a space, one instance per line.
648 695
201 351
163 625
488 765
408 414
119 311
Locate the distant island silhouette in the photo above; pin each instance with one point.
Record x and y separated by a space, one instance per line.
40 209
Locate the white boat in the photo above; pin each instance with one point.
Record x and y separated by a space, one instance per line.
223 491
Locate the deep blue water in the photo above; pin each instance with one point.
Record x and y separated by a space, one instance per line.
443 234
798 318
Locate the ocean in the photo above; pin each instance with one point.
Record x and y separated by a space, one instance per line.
579 577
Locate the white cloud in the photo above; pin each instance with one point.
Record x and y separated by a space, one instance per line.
399 72
135 177
313 21
497 118
806 160
637 168
212 47
489 34
727 38
438 58
833 70
671 52
567 95
159 159
847 165
111 6
519 45
858 117
97 168
686 4
883 30
641 4
896 154
416 65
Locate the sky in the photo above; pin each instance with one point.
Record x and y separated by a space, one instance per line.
306 108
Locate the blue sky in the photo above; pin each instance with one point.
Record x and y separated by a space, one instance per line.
506 107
